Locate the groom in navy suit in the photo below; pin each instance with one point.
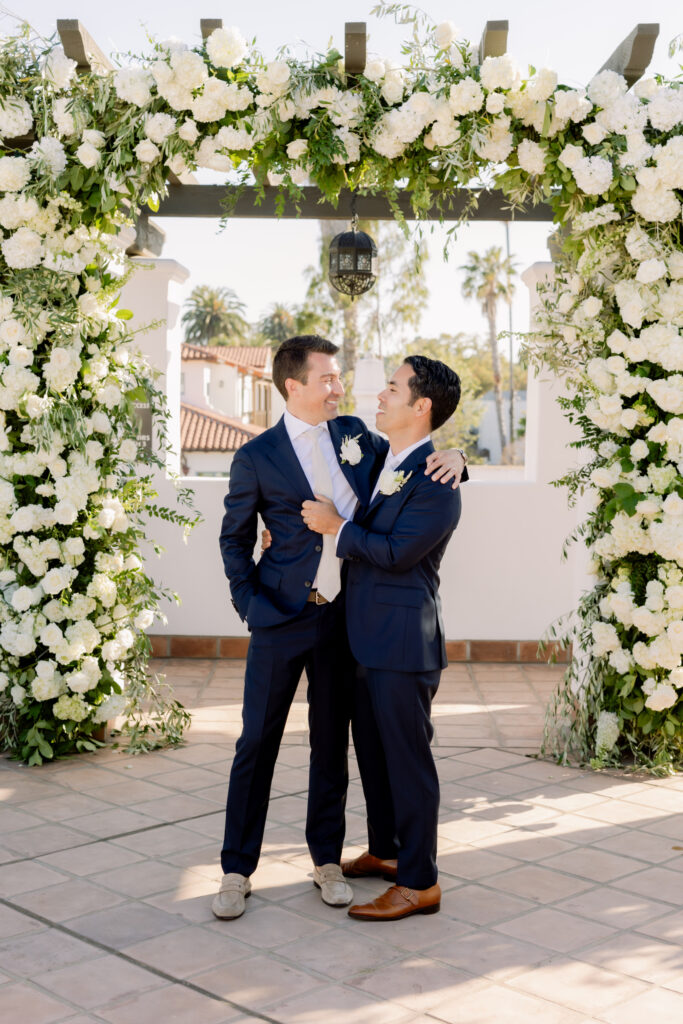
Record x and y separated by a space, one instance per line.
393 547
290 601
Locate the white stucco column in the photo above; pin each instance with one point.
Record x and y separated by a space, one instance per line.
548 435
152 296
369 379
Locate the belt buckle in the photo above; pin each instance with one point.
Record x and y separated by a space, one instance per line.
319 599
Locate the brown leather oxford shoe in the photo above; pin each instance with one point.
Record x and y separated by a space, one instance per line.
399 902
367 864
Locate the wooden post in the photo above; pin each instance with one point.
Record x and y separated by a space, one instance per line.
355 42
209 25
80 46
633 55
494 40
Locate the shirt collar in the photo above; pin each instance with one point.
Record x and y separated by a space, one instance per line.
393 461
296 427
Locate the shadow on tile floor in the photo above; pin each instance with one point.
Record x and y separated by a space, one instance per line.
563 894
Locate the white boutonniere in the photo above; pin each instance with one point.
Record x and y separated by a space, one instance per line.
350 450
392 480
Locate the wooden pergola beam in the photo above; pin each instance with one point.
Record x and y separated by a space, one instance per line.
149 237
355 46
209 25
632 56
205 201
494 39
80 46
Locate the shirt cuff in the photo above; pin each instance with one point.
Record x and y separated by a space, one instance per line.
336 539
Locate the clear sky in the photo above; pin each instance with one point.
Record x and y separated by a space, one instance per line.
263 260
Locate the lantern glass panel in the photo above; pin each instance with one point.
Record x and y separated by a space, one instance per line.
364 261
346 261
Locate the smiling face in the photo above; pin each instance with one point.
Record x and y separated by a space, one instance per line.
396 417
316 400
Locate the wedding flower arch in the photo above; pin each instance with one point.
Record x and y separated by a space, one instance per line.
82 152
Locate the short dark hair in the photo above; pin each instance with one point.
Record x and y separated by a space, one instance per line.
433 379
291 358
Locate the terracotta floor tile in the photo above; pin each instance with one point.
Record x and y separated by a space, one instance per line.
22 1002
257 981
105 980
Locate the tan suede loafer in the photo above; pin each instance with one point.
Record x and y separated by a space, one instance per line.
228 902
367 864
334 891
398 902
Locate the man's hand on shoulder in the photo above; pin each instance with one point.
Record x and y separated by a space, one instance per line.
446 465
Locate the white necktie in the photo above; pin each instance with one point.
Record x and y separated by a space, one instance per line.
328 578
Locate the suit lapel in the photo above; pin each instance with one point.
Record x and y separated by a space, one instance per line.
281 453
356 476
414 464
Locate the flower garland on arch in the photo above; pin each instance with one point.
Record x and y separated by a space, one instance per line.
75 600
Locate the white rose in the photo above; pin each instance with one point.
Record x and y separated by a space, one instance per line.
188 130
375 70
147 152
445 34
88 155
495 103
297 148
662 697
651 270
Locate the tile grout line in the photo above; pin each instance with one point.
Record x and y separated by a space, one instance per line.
125 835
157 972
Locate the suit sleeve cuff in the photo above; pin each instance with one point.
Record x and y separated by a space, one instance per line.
336 539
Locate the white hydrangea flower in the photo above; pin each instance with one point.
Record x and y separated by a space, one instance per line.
158 127
15 172
58 69
23 249
133 85
49 152
465 97
607 732
16 118
226 47
499 73
606 87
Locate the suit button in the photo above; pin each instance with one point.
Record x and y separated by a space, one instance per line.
318 547
307 583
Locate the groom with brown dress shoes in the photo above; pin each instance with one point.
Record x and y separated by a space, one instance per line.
392 549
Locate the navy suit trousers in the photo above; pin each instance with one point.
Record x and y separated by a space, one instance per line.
392 734
315 640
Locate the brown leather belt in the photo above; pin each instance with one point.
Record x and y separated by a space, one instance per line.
317 598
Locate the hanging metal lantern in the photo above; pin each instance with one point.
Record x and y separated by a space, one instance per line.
353 260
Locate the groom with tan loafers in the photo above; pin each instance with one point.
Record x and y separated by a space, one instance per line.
392 549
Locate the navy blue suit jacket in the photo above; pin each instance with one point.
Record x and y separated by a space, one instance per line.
394 548
266 479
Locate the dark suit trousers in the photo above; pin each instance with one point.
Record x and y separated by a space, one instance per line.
316 641
392 733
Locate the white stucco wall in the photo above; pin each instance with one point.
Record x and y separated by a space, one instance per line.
502 576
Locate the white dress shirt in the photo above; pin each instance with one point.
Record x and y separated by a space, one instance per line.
344 498
392 461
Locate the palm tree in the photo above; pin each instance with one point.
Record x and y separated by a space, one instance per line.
278 324
488 278
214 316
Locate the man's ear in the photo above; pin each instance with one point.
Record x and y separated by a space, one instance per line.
291 386
423 407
